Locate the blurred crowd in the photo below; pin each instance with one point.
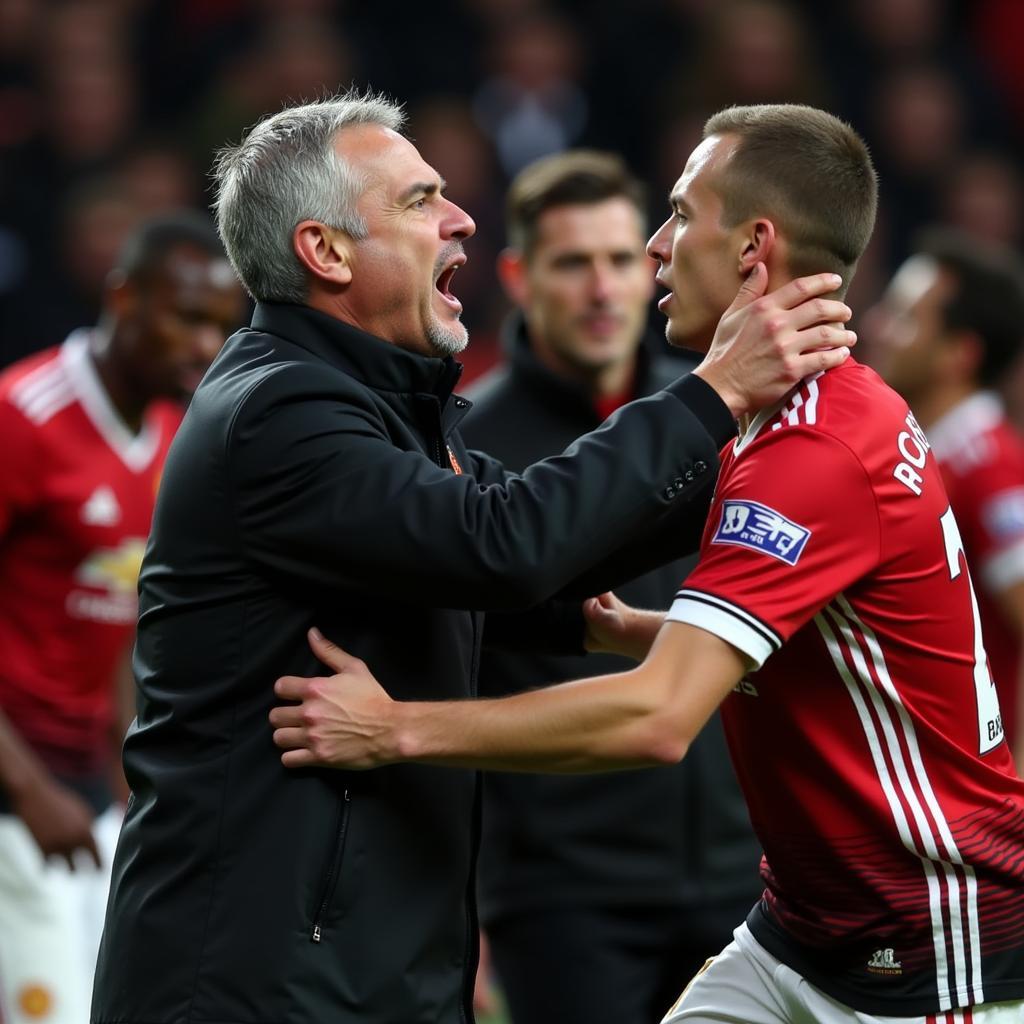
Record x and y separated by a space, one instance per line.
111 110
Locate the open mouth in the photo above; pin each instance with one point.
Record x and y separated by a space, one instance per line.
444 283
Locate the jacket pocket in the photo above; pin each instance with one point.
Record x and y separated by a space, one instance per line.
333 871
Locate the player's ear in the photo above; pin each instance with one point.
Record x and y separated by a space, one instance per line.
756 243
119 293
325 252
512 275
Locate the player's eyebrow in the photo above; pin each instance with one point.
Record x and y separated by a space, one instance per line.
425 188
677 202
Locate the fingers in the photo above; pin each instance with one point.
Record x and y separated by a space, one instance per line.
752 288
292 687
823 336
290 738
286 716
803 288
329 653
298 759
819 311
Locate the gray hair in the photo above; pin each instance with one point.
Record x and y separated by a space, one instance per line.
284 171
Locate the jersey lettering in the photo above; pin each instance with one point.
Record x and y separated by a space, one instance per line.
990 722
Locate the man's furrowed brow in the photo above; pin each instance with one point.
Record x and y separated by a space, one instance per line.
422 188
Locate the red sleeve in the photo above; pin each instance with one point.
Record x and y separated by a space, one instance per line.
989 507
795 522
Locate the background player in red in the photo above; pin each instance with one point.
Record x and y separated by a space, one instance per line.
945 334
832 616
85 428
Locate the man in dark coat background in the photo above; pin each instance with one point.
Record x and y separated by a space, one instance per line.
597 892
319 478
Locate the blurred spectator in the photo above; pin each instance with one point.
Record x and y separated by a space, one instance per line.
918 127
998 27
749 51
158 176
291 57
59 289
984 195
531 102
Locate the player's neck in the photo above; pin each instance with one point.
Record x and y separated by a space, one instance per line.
123 394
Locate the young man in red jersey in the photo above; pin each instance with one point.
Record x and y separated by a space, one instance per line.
945 334
85 428
831 615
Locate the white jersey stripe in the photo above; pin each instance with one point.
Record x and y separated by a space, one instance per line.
924 783
811 409
888 788
40 409
23 398
38 380
793 418
910 793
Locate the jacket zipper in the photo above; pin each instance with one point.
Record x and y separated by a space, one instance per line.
331 879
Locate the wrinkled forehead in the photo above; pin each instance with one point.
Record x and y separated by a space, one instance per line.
387 162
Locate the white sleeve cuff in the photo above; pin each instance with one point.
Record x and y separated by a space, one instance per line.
727 621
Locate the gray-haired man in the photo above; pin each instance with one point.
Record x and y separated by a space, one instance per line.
319 478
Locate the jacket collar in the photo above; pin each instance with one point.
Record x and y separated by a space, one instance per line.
373 362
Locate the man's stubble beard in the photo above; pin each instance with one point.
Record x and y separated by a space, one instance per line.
447 341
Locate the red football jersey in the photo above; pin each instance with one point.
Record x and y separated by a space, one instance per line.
868 742
981 458
76 500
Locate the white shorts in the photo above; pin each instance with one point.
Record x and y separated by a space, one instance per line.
745 984
51 919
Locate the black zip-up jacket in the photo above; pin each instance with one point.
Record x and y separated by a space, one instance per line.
311 483
676 837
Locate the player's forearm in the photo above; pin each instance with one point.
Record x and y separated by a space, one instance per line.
609 722
20 768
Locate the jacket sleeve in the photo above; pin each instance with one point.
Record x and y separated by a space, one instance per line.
323 495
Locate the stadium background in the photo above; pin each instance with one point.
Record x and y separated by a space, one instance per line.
111 110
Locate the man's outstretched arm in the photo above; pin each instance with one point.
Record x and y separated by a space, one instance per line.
646 716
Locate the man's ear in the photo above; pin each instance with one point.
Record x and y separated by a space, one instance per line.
512 275
325 252
757 243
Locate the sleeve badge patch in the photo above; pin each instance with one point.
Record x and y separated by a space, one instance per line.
760 528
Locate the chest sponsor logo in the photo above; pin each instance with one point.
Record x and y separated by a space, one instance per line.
883 961
112 575
760 528
101 509
1004 515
